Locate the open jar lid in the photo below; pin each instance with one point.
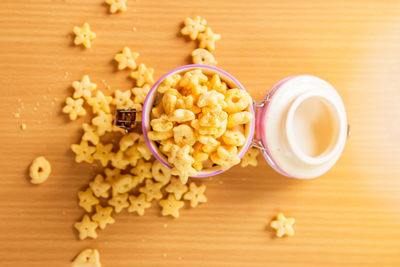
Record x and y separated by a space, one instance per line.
301 126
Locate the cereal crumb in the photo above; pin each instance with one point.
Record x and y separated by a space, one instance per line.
35 108
164 255
179 258
63 212
19 100
23 126
134 29
165 225
16 115
220 182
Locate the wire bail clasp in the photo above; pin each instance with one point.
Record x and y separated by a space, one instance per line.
125 119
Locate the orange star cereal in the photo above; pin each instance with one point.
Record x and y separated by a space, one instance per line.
126 59
83 152
138 204
83 88
171 206
177 188
117 5
103 216
283 225
119 202
84 35
193 27
74 108
151 190
87 200
86 228
195 194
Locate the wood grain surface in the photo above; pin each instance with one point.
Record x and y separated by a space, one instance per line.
348 217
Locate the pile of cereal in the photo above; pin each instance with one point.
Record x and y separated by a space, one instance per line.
199 122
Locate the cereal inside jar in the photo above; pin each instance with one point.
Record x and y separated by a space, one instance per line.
200 122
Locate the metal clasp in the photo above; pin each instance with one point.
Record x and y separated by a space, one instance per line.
262 102
125 119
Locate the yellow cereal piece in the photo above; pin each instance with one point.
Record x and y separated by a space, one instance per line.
195 194
123 184
83 88
90 134
166 145
100 187
128 141
212 99
122 100
250 158
133 155
104 123
171 206
209 149
100 103
283 225
119 202
23 126
119 160
237 100
87 200
103 153
152 190
74 108
87 258
216 84
160 173
208 140
181 115
84 35
225 157
86 228
182 161
144 149
39 170
138 204
239 118
177 188
171 81
158 110
199 156
221 129
184 135
169 103
159 136
184 171
83 152
140 94
233 138
111 174
212 119
208 38
193 27
142 170
204 57
103 216
162 124
126 59
194 80
143 75
117 5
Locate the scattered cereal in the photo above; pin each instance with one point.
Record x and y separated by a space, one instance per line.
126 59
86 227
193 27
151 190
250 158
39 170
87 258
90 134
117 5
195 194
83 88
103 153
143 75
103 216
83 152
87 200
177 188
100 103
171 206
100 187
84 35
119 202
138 204
23 126
283 225
208 38
202 56
74 108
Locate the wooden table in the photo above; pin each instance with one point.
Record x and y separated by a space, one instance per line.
348 217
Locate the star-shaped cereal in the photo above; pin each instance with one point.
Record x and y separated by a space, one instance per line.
104 123
140 93
152 190
103 153
195 194
177 188
87 258
100 103
138 204
100 187
142 170
119 161
250 158
87 200
160 173
283 225
171 81
216 84
143 75
112 174
86 228
83 152
193 27
122 100
90 134
133 155
103 216
119 202
74 108
171 206
193 80
126 59
208 38
83 88
128 140
143 148
84 35
123 184
204 57
226 156
117 5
